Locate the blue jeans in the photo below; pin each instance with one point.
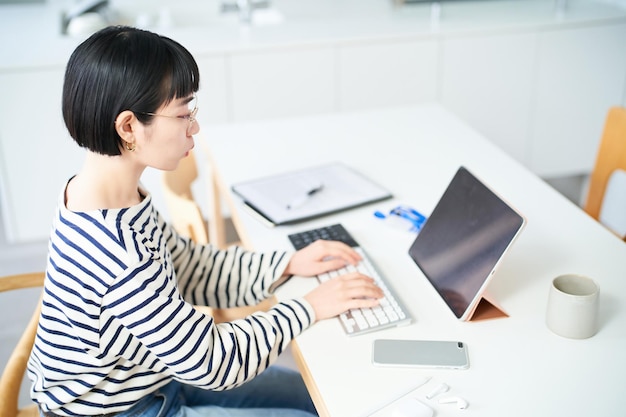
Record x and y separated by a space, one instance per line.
277 392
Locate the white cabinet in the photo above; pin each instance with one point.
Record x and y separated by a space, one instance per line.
213 102
284 82
488 82
37 155
387 73
581 72
541 94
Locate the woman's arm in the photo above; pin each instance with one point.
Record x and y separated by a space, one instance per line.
218 278
145 321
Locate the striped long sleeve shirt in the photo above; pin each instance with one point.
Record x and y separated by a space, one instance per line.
118 318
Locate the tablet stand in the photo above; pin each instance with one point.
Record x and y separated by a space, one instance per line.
487 309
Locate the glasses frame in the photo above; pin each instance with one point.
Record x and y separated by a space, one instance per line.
190 118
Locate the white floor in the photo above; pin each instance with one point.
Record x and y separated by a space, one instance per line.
16 309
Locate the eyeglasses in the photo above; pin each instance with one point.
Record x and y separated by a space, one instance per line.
191 117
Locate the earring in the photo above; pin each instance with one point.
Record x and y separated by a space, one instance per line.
130 146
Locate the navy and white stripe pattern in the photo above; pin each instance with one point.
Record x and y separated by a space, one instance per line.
118 322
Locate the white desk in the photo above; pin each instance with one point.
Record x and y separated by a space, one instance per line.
517 366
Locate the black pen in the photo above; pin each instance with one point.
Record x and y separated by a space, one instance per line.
303 199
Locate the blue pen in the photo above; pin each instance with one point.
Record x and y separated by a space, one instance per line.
304 198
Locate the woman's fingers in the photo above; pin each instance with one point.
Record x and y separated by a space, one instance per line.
352 290
321 256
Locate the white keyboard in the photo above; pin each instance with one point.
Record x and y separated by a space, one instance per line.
389 313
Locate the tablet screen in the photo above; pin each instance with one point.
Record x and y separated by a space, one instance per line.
463 240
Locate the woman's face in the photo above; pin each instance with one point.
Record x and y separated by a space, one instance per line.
169 137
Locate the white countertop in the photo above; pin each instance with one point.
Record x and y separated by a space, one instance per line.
30 34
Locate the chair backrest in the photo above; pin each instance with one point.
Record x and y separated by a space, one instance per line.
13 374
611 156
613 212
188 220
185 213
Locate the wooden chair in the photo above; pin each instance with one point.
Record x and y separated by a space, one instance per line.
188 219
185 213
15 369
611 156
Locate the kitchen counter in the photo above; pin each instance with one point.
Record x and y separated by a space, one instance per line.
30 35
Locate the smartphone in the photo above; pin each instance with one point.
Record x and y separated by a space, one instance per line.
420 353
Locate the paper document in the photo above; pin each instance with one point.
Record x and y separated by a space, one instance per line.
311 192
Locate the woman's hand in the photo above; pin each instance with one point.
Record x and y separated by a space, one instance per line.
352 290
321 256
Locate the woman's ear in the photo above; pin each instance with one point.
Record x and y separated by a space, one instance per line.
124 126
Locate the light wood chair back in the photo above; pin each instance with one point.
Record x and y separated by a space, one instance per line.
15 369
188 219
185 213
611 156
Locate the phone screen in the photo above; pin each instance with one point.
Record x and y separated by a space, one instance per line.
420 353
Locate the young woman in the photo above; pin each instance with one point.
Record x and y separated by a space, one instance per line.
118 332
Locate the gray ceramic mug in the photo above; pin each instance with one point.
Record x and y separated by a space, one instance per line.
573 305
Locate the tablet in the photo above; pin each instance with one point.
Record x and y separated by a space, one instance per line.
463 241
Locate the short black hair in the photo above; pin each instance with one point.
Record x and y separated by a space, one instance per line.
122 68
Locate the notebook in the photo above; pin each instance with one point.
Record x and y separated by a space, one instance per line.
462 243
307 193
